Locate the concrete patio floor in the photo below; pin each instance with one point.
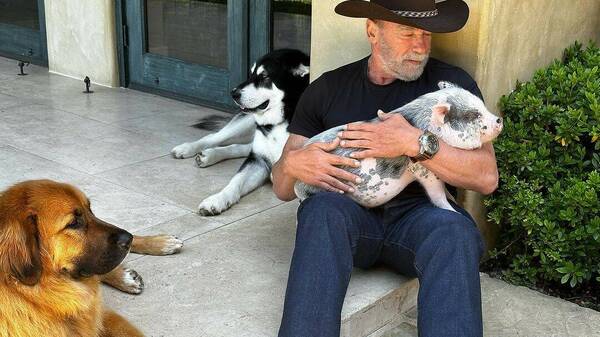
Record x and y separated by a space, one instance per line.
114 144
230 278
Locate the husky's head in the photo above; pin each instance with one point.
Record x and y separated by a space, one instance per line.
274 86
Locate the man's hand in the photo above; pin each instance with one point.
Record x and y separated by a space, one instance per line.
314 165
390 138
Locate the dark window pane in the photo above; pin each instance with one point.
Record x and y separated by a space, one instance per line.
189 30
291 24
22 13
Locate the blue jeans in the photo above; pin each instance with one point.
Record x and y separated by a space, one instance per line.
413 237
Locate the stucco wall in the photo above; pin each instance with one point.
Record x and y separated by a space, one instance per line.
503 41
507 40
335 40
81 39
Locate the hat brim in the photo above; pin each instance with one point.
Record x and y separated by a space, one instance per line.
452 15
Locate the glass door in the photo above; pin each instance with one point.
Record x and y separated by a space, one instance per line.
290 22
276 24
188 48
23 30
199 49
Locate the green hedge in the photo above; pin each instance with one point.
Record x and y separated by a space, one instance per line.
547 201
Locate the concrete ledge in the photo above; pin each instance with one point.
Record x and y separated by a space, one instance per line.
383 311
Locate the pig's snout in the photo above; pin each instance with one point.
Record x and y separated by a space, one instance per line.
491 128
498 125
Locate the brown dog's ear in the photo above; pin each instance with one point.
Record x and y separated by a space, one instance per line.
20 248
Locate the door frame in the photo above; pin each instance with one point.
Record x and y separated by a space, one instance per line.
16 39
215 90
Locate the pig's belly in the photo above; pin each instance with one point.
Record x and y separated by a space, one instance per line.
378 187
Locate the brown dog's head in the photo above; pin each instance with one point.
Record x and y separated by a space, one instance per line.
48 227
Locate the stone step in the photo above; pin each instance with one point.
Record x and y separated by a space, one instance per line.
399 328
231 282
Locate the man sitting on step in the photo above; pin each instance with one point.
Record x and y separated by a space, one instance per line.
408 234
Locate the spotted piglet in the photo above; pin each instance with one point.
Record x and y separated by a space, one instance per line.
455 115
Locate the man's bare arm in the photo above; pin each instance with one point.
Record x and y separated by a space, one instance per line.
283 185
470 169
313 165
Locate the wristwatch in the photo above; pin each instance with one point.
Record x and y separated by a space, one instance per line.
428 147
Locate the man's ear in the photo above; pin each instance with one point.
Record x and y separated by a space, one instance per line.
372 30
20 246
438 113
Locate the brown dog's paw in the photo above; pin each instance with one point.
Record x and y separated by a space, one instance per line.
162 244
124 279
132 282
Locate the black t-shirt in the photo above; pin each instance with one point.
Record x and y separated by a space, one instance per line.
346 95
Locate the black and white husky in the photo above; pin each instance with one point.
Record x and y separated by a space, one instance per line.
259 132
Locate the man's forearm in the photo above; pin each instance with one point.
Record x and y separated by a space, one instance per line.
283 185
470 169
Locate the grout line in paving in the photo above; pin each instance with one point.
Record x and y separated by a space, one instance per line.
130 164
50 160
160 199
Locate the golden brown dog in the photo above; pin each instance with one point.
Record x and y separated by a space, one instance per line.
52 249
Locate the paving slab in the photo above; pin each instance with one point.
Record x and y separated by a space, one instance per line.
41 127
126 208
184 184
509 310
8 100
111 104
172 125
231 282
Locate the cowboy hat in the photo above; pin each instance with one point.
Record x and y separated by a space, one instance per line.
430 15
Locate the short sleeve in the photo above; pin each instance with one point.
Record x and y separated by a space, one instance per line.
308 116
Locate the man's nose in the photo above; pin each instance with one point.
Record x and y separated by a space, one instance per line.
420 44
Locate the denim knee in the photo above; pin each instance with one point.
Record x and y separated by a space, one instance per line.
461 234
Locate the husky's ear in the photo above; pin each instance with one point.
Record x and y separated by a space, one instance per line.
446 84
19 241
438 113
301 71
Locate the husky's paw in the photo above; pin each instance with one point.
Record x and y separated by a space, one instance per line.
205 158
131 282
214 205
185 150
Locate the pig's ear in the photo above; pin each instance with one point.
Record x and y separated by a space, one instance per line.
445 84
438 113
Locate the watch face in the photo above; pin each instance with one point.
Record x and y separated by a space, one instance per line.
431 143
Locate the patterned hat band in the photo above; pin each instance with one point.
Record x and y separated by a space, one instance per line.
410 14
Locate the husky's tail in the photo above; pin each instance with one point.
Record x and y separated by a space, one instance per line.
212 122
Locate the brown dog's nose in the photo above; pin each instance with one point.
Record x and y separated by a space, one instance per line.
124 240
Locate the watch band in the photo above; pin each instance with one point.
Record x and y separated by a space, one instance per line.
420 157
